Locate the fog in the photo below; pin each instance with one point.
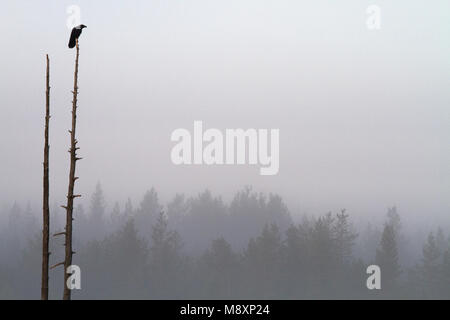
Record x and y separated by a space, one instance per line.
363 115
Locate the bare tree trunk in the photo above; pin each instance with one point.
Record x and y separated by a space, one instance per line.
45 207
72 178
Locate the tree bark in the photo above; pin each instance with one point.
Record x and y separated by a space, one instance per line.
70 195
45 206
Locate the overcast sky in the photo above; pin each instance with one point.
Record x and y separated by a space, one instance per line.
364 115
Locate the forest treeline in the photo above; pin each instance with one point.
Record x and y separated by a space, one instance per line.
204 248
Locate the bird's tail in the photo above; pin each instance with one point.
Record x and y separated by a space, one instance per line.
71 43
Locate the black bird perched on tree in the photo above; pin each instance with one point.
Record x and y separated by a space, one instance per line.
75 34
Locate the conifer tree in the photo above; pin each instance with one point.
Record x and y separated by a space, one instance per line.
387 257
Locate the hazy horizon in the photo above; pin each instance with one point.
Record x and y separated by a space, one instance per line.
363 115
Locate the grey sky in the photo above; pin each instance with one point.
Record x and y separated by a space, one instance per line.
364 116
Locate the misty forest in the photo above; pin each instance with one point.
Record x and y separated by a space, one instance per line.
205 248
364 113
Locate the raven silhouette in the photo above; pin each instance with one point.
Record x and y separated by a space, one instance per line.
75 34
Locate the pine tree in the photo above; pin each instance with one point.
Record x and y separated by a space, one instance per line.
148 211
97 204
264 261
96 218
431 252
344 238
115 215
128 211
298 260
323 254
165 257
219 272
177 209
387 258
394 219
431 266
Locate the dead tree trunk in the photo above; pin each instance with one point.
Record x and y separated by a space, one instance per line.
45 207
72 178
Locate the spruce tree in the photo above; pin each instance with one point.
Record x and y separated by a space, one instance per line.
387 259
